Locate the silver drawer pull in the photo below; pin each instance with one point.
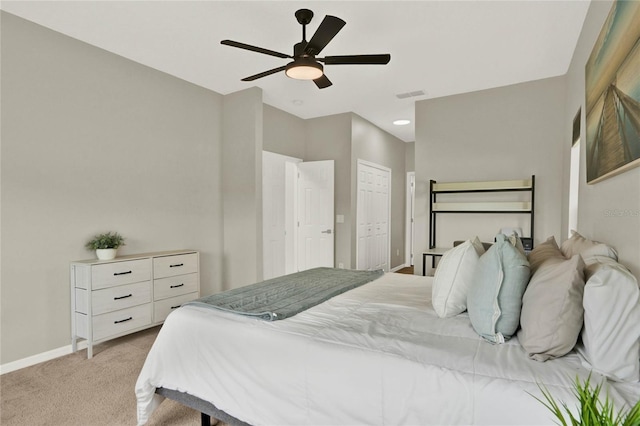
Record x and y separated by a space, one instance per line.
328 231
176 265
121 273
124 320
175 307
176 286
122 297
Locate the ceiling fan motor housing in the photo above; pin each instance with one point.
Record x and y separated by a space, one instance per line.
299 49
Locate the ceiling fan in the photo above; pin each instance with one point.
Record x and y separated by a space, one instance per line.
305 64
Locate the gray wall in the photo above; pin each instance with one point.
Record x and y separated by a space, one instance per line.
506 133
329 138
92 142
284 133
620 193
370 143
242 187
410 156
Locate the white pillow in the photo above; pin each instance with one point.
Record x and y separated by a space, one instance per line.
453 278
611 330
589 250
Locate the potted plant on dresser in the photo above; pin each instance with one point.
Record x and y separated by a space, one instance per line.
106 245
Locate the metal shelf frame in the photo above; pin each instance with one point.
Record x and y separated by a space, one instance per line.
435 208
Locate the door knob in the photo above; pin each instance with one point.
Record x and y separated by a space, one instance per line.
328 231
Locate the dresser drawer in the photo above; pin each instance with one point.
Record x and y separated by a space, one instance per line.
120 297
118 273
168 266
163 308
121 321
175 286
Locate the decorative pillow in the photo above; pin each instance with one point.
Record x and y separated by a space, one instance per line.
542 252
611 330
552 312
515 241
589 250
485 246
453 278
495 298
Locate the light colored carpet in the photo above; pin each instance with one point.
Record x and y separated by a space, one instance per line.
73 390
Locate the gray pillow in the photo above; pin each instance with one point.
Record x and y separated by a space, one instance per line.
588 249
552 312
542 252
495 298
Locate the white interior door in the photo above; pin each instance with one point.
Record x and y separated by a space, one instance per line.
373 212
278 214
315 214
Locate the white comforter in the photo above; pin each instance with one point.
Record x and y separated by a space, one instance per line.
376 355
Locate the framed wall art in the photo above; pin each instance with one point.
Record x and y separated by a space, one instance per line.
612 80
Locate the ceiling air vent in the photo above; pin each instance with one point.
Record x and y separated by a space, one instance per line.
410 94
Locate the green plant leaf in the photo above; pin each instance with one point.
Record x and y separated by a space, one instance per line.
592 411
105 241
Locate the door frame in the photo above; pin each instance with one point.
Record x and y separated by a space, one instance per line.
409 259
291 216
360 163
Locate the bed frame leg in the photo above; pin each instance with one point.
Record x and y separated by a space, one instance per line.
205 419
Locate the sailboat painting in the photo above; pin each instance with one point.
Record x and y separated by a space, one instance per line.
612 79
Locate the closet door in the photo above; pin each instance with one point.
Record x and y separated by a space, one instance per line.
373 212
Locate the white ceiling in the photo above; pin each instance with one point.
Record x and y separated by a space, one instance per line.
440 47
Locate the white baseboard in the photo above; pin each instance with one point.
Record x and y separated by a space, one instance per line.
38 358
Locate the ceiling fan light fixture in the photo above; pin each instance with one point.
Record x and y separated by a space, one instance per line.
304 69
306 63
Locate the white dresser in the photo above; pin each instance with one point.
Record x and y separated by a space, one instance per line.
112 298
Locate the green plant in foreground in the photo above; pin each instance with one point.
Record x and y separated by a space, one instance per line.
105 241
592 411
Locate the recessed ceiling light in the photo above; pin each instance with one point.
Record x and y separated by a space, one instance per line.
297 102
401 122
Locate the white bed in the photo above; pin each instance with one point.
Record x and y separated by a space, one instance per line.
376 355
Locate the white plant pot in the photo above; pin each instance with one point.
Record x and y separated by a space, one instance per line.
106 254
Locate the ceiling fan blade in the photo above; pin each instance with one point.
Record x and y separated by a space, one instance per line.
356 60
322 82
329 27
264 74
254 48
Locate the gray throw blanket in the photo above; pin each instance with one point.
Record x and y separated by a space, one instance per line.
285 296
